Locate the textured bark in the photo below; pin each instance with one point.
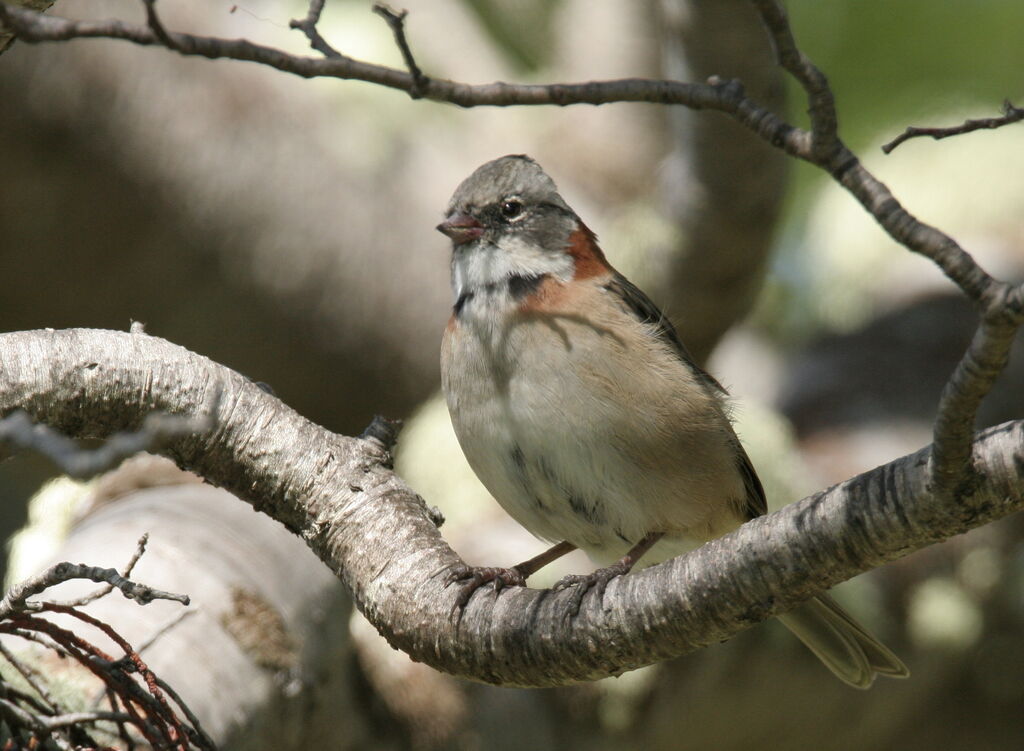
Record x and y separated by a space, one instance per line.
358 517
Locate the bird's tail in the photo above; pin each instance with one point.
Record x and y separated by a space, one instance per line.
846 647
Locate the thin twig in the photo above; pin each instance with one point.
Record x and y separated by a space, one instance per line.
102 665
77 718
203 738
396 20
15 599
30 677
308 27
153 19
163 629
1011 114
122 727
40 639
824 120
174 727
108 588
11 692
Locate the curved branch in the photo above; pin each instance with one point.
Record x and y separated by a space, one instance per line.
371 529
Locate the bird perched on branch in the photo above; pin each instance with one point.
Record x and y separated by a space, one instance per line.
582 413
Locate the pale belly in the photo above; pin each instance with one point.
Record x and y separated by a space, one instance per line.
579 438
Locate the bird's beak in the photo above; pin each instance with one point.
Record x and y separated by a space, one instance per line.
461 228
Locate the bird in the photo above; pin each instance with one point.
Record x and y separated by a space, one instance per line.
580 410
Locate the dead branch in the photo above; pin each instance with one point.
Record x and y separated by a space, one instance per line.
135 694
1010 115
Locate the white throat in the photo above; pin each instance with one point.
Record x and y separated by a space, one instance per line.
483 265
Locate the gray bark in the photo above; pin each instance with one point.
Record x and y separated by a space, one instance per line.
374 532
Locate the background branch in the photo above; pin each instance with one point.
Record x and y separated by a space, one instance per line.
1010 115
129 682
16 597
18 429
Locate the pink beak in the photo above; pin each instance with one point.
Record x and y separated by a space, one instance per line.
461 228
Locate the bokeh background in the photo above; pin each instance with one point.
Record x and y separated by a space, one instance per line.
284 227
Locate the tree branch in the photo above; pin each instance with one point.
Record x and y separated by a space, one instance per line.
372 530
821 146
308 26
1010 115
396 20
15 599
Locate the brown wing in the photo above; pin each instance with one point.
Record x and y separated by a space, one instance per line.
757 503
641 306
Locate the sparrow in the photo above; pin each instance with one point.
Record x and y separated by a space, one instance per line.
583 414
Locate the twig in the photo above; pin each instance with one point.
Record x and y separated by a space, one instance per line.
125 572
824 121
204 740
147 643
396 20
16 597
153 19
308 27
122 727
174 728
163 629
1011 114
30 677
24 696
160 726
77 718
40 639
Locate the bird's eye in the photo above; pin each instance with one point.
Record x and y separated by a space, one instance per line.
511 208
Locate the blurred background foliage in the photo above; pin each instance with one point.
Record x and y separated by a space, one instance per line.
284 228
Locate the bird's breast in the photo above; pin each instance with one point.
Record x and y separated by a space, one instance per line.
580 423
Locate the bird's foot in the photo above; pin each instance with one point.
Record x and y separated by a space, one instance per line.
471 578
583 583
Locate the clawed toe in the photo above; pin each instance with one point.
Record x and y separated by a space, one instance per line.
471 578
583 583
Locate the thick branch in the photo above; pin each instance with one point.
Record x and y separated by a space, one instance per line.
375 532
984 360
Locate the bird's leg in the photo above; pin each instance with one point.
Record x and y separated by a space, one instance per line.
471 578
600 578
